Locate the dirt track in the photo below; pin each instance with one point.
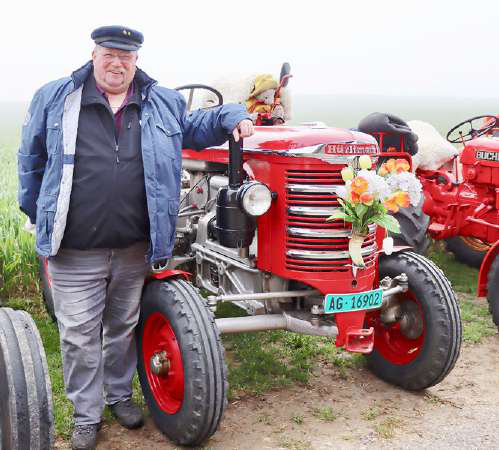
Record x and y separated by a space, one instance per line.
355 410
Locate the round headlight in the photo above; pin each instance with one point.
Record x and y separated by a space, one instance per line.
255 198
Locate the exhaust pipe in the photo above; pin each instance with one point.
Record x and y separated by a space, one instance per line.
266 322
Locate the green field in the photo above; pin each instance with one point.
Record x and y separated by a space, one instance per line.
257 362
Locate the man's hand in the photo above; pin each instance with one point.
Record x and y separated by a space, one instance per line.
244 129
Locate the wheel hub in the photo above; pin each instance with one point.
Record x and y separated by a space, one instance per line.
160 364
411 322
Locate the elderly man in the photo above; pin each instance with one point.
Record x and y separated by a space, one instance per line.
99 172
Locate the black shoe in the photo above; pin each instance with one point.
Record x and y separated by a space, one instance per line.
84 437
128 414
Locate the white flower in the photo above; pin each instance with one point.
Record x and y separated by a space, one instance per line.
407 182
377 184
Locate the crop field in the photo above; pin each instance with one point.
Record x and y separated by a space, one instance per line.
257 362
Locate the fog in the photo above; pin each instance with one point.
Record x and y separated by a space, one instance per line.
387 48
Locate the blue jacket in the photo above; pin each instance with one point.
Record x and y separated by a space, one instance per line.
47 152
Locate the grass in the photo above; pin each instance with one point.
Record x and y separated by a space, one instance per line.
294 444
476 319
475 316
462 277
370 413
387 428
325 413
299 419
18 263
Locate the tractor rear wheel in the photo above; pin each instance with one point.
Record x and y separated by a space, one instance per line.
467 250
413 225
421 348
493 290
26 418
48 299
181 362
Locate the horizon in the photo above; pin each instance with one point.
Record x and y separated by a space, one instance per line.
422 48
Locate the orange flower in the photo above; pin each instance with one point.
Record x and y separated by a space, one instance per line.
383 171
391 165
401 165
355 197
391 204
359 185
402 199
396 201
367 198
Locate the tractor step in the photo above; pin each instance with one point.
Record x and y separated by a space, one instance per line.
360 340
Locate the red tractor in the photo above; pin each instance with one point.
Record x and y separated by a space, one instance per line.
461 205
253 230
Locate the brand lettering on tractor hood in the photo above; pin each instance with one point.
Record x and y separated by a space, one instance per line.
350 148
487 156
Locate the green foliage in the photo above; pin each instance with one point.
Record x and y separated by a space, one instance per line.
476 318
325 413
462 277
370 413
18 262
361 216
388 427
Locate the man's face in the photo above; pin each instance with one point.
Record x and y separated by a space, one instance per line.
114 69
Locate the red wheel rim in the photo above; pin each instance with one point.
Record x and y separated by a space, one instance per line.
389 340
167 389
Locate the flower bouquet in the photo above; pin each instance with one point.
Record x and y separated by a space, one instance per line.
368 197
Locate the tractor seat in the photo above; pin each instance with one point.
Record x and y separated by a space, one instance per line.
394 130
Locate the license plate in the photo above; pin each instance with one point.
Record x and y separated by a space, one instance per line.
339 303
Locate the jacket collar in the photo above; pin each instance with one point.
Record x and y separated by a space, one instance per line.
92 94
143 81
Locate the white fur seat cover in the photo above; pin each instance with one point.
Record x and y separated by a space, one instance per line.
434 150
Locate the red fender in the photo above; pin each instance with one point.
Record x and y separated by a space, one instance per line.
169 273
484 270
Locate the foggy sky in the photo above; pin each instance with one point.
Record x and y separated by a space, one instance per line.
405 47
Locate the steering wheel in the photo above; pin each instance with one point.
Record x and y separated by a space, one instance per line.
193 87
473 132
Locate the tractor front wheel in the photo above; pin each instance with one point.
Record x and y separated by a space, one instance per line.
493 290
420 348
181 362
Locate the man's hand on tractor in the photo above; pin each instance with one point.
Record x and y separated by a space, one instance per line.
244 129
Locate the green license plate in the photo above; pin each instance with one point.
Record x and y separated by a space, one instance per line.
339 303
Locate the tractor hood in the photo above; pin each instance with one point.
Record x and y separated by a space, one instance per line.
481 150
336 140
484 143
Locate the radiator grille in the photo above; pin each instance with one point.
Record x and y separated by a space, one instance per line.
312 243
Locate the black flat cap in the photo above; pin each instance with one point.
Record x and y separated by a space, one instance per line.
115 36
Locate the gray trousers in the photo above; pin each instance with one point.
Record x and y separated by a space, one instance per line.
96 299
